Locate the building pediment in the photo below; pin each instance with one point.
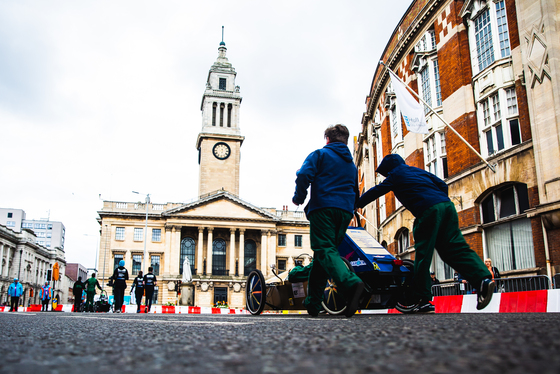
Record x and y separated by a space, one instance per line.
220 205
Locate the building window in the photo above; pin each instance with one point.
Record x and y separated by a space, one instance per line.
436 155
27 225
49 227
10 223
298 241
214 106
155 295
187 250
484 42
155 264
222 107
219 257
403 241
509 244
437 83
442 270
10 215
118 258
281 265
138 234
220 295
156 235
229 109
223 83
396 123
426 92
499 132
119 233
136 264
49 234
281 240
250 257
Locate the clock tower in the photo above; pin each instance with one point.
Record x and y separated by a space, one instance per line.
219 142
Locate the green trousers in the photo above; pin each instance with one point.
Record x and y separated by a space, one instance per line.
327 230
439 228
89 301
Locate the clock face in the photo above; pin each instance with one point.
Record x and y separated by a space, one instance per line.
221 151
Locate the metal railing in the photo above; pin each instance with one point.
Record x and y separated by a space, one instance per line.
516 284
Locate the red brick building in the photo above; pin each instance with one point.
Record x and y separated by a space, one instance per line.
490 69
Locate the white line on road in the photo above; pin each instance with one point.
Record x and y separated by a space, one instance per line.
163 321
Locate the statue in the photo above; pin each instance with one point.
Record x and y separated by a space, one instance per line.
187 275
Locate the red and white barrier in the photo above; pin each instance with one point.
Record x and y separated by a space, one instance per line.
545 301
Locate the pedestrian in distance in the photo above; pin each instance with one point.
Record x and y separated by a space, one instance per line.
90 285
433 278
333 177
492 269
77 291
436 227
15 291
138 287
120 275
150 282
46 293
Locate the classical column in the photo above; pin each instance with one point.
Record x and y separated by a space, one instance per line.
232 251
264 241
7 273
167 253
242 252
200 252
209 251
175 253
1 258
271 247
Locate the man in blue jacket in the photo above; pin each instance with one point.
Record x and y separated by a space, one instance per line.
436 226
15 291
334 192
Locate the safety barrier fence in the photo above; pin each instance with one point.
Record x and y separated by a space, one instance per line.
515 284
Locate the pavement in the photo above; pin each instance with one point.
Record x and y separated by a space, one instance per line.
82 343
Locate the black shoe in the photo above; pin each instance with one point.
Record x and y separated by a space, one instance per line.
485 293
424 307
354 299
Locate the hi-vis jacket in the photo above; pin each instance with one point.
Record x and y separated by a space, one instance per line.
46 292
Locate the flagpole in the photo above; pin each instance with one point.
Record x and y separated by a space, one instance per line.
438 116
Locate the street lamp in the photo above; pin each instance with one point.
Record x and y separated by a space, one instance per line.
145 267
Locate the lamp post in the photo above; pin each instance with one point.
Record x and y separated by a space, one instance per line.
145 267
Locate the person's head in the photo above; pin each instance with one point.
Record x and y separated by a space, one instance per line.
93 275
432 274
150 269
79 279
389 163
337 133
488 262
46 283
121 263
140 273
16 280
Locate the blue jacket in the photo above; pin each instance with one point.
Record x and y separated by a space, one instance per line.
333 178
14 290
415 188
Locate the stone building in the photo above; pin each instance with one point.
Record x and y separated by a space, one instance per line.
490 69
22 257
223 236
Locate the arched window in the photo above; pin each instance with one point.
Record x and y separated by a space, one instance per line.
214 106
507 230
403 240
187 250
250 256
219 257
229 108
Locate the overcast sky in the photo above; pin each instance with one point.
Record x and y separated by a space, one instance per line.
103 97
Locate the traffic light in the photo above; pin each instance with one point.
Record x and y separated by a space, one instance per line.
49 272
56 269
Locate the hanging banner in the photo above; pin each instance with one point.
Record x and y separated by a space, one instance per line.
411 110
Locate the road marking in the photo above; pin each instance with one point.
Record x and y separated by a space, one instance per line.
163 321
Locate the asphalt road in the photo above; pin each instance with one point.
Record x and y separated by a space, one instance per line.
128 343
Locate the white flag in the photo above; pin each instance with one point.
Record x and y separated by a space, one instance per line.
411 110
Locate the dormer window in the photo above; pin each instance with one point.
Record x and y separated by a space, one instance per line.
222 84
